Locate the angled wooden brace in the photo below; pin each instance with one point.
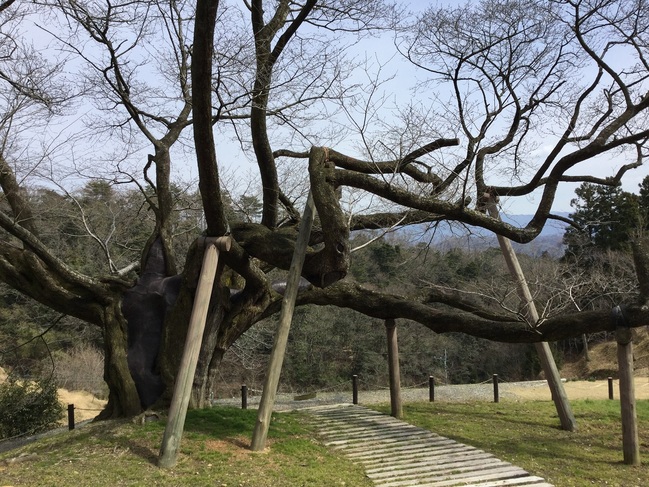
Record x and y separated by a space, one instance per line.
185 377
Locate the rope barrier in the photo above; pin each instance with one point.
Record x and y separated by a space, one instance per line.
29 433
342 387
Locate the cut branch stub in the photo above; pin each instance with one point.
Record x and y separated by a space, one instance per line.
223 244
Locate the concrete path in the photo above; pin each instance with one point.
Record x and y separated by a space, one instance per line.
397 454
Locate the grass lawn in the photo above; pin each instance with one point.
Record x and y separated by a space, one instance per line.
214 452
528 435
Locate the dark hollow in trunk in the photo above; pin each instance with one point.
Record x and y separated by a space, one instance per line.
145 307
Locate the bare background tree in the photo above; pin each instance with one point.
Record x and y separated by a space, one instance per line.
140 93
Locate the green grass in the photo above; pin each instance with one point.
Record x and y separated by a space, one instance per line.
528 435
214 452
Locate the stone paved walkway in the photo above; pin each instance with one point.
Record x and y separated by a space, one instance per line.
397 454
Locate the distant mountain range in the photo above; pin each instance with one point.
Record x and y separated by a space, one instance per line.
448 236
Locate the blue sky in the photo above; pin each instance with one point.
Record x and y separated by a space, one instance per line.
400 79
399 88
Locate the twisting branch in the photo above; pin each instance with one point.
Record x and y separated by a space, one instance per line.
6 4
56 265
35 337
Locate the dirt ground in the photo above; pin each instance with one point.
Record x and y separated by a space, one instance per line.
538 390
86 406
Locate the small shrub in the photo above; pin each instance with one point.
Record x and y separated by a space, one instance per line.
82 369
28 407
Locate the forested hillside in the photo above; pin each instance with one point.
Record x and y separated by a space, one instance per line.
328 344
135 134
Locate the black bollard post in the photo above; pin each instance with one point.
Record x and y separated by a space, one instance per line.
496 396
244 396
70 416
431 388
354 389
610 387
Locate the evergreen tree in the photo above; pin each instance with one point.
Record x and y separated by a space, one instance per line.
607 217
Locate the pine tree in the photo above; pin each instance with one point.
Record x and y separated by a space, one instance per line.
607 217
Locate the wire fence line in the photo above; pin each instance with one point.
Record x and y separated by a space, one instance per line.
483 391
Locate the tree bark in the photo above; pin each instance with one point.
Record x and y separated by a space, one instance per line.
123 397
203 53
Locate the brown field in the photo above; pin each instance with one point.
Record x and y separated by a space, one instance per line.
86 406
539 391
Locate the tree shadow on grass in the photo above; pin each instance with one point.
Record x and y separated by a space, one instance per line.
104 435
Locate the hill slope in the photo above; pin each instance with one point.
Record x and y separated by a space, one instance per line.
603 359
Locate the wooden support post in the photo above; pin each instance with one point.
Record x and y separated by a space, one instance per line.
70 417
630 442
283 327
431 388
354 389
244 397
393 366
610 388
549 366
496 393
185 377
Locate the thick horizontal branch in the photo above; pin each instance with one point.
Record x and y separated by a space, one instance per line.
34 247
405 165
23 271
439 209
391 306
455 299
276 247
